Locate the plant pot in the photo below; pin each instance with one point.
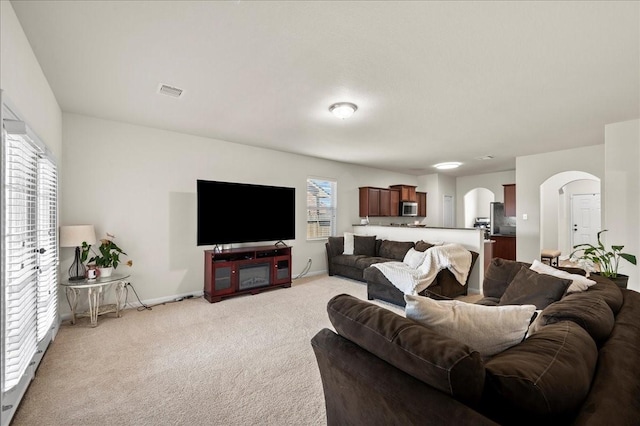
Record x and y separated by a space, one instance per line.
621 280
105 272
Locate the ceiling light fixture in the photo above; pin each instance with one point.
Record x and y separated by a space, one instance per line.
343 109
447 166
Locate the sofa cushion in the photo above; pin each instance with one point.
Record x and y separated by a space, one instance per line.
394 249
499 275
607 291
588 311
336 245
613 398
441 362
364 262
487 329
347 260
364 245
545 378
529 287
578 282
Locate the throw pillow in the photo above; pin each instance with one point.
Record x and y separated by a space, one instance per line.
414 258
423 245
487 329
498 276
578 282
531 288
365 245
348 243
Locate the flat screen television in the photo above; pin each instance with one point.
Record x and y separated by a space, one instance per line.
238 213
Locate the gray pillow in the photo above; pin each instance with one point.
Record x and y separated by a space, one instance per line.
531 288
364 245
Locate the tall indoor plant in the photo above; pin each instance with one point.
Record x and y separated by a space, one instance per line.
607 260
108 258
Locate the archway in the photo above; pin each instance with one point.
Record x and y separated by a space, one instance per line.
555 207
476 204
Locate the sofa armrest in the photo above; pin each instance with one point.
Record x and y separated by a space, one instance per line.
360 388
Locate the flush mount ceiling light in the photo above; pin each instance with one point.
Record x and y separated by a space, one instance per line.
343 109
446 166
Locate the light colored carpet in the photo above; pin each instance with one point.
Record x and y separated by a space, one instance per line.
244 361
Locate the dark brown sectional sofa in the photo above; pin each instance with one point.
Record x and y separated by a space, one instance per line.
369 250
580 367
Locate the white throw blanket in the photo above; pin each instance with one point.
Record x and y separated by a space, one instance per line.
412 281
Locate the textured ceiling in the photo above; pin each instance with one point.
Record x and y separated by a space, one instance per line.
434 81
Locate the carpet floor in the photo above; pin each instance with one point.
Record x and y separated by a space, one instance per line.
244 361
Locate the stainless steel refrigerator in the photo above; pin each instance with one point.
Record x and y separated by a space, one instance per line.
501 224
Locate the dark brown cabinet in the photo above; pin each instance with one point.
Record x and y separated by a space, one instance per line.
369 201
395 202
422 203
505 247
245 270
510 199
379 202
407 192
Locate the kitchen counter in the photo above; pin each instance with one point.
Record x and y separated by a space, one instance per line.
503 235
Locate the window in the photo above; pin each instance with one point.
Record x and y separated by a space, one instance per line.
321 208
29 277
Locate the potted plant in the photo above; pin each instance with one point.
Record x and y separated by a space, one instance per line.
607 260
109 257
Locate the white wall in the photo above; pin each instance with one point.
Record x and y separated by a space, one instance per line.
622 192
429 184
491 181
531 172
139 183
24 84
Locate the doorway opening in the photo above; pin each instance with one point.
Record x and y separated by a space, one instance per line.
570 211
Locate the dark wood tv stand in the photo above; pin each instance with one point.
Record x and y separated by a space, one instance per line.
246 270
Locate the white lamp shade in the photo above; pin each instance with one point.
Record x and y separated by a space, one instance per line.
74 236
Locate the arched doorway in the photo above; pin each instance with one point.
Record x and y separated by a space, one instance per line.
558 197
476 204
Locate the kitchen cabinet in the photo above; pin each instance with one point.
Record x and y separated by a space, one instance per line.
510 199
505 247
422 203
379 202
407 192
395 202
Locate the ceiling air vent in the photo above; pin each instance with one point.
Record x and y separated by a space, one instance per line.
486 157
165 89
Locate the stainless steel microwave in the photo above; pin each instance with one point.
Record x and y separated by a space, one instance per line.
408 208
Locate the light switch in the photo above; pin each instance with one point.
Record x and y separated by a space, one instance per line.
525 216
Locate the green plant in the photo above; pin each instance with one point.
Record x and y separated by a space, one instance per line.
109 254
607 260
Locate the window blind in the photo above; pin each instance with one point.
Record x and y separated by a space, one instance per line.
29 257
321 208
20 263
47 249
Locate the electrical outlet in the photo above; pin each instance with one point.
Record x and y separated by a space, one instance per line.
525 216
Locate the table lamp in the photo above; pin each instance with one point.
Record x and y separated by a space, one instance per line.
74 236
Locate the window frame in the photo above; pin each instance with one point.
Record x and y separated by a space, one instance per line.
318 218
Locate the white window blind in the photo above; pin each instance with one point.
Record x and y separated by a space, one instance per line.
47 300
29 257
321 208
20 203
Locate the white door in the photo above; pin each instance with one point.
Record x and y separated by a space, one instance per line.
447 211
585 218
